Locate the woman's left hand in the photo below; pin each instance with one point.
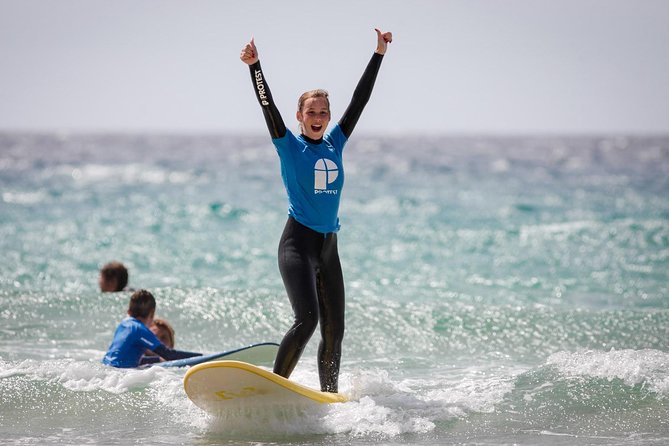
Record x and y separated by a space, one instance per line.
383 40
249 54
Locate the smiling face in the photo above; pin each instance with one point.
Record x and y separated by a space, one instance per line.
314 116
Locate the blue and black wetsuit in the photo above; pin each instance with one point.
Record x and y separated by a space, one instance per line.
131 339
313 175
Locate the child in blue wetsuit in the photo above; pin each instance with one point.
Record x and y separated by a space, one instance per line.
133 336
313 175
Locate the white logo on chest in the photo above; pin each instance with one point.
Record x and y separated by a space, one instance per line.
325 172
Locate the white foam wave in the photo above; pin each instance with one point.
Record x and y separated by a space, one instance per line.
649 368
84 376
124 173
25 197
558 231
476 392
380 406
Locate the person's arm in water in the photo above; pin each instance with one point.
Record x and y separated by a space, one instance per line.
167 354
363 91
249 55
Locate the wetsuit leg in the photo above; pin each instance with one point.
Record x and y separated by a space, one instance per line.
331 305
298 259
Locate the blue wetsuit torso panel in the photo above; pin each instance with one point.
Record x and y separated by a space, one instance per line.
313 175
131 340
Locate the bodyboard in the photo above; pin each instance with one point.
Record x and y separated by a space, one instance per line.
221 385
260 354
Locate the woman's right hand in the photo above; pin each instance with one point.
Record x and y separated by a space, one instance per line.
383 40
249 53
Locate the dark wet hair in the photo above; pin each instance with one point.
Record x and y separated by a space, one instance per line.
142 304
115 271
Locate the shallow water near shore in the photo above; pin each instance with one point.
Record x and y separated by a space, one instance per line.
499 290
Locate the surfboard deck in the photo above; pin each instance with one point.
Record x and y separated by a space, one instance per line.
221 385
259 354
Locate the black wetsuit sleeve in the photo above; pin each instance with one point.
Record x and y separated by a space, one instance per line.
146 359
361 95
275 125
170 354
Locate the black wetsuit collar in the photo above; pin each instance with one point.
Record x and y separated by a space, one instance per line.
312 141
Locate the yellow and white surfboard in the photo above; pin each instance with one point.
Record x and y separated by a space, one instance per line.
219 385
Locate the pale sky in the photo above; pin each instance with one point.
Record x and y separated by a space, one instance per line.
455 66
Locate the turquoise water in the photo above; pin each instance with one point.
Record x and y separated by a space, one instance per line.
499 290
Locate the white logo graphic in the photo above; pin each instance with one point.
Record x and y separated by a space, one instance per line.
260 85
325 172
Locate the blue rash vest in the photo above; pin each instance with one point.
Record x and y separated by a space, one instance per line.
313 175
131 339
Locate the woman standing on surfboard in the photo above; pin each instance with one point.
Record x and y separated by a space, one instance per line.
313 175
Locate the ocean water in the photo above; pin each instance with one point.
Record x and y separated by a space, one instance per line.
499 290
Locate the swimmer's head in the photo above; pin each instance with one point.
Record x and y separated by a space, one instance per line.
163 331
113 277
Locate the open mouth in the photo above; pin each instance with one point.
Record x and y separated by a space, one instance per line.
316 128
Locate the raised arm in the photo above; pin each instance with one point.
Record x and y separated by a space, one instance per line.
365 86
275 125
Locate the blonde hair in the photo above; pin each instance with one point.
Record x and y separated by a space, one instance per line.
165 326
318 93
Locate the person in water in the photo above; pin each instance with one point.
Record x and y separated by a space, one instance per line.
163 331
313 175
133 337
165 334
113 277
